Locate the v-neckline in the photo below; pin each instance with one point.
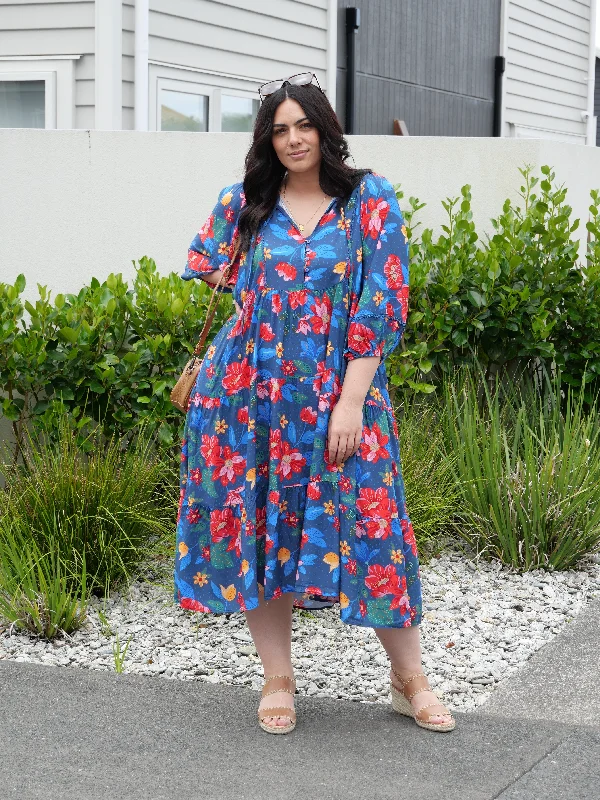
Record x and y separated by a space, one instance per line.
288 213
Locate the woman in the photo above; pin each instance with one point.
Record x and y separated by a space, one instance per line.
291 487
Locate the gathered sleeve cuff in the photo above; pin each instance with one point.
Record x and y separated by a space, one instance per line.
213 245
379 296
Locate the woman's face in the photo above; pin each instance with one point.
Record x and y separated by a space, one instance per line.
295 139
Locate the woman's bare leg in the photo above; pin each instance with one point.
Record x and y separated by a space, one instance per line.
403 646
271 628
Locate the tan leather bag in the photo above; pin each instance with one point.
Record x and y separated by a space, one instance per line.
180 395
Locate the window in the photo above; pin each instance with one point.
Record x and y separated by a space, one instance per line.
238 113
22 104
188 99
183 111
37 91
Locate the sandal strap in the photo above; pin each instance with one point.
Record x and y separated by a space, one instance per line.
433 714
276 691
280 711
280 683
408 680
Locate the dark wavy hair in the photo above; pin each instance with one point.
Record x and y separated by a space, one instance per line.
264 171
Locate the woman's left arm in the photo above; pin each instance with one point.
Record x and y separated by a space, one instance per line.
378 311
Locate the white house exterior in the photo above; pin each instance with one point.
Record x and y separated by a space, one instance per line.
550 51
197 64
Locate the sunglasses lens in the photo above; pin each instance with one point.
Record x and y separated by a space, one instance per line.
302 79
271 87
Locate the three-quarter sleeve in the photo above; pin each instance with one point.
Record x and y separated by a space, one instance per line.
379 297
213 245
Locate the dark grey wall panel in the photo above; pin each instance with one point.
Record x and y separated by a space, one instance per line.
429 62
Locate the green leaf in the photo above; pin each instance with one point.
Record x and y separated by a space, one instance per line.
69 335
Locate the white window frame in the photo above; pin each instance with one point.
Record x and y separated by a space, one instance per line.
58 74
187 79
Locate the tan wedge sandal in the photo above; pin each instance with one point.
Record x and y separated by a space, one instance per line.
286 684
401 703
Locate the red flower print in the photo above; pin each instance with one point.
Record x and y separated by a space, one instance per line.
307 414
261 521
393 272
345 484
378 528
373 215
321 319
400 602
288 367
196 476
206 231
228 466
266 332
276 304
295 234
277 593
327 217
373 447
382 580
297 298
223 524
314 590
241 603
286 271
303 539
193 605
193 516
402 296
210 449
360 337
291 461
291 519
238 376
262 388
363 607
350 566
234 497
303 325
375 503
313 490
409 535
276 384
198 262
242 415
274 497
275 444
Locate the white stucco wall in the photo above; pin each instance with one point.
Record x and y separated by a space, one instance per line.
77 204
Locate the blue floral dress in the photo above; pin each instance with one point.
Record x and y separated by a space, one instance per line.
260 503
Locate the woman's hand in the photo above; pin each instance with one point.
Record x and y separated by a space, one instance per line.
345 431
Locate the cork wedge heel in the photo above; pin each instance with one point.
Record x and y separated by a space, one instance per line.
283 684
401 703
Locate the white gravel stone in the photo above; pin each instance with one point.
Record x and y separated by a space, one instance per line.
481 623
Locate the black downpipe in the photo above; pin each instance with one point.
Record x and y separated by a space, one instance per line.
352 25
500 67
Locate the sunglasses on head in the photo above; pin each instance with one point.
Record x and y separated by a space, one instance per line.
301 79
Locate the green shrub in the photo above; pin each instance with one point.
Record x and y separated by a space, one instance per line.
96 514
528 472
518 301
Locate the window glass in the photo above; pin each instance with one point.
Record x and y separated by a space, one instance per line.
182 111
22 104
238 113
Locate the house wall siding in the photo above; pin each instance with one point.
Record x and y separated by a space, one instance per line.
49 28
428 62
266 40
128 65
597 100
547 68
